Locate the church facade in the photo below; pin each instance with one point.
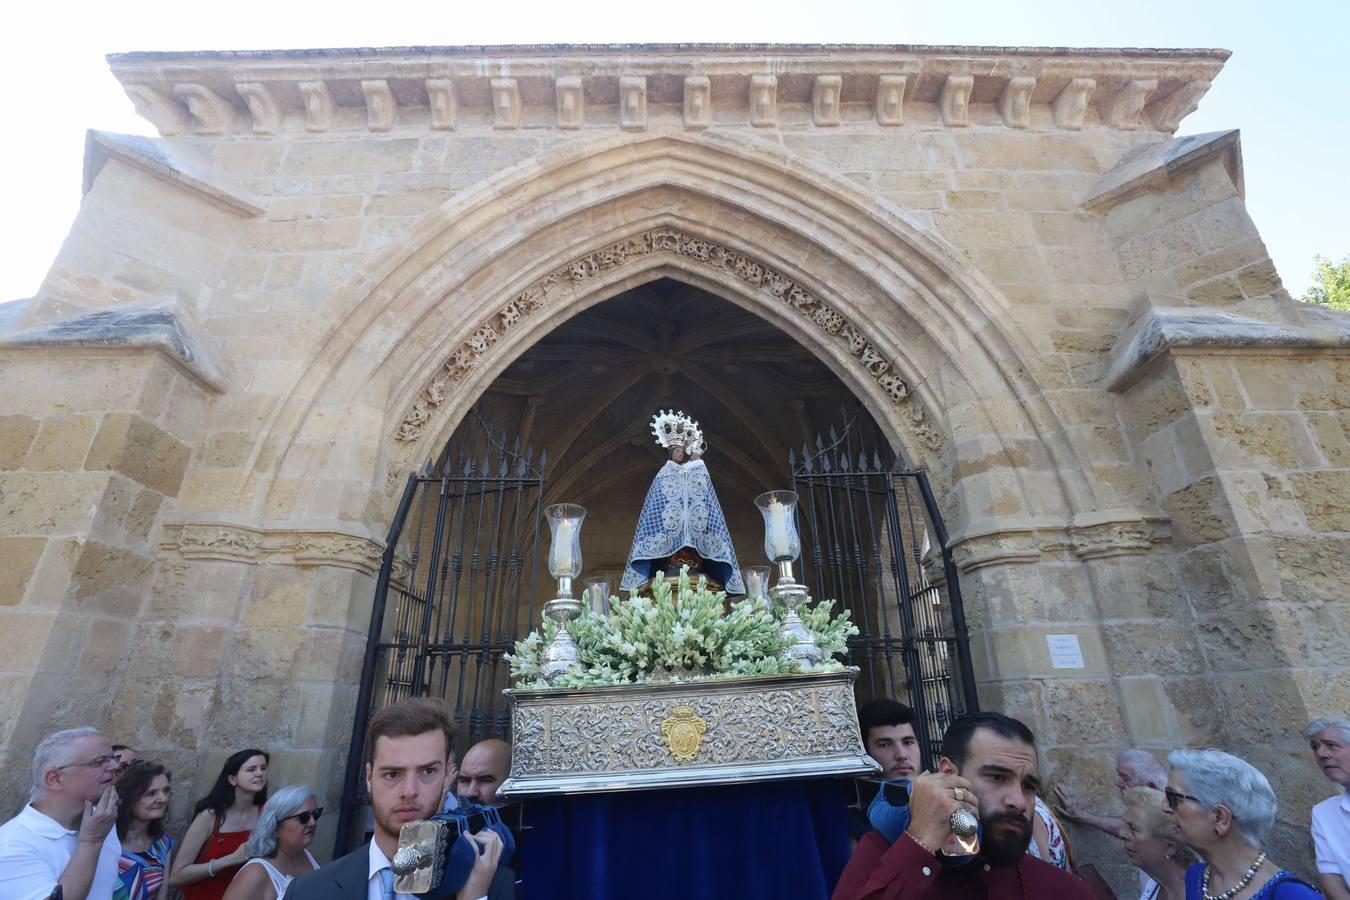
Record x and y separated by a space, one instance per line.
264 319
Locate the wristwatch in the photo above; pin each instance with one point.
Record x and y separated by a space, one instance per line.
58 893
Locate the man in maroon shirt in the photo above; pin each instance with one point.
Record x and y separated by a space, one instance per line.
988 766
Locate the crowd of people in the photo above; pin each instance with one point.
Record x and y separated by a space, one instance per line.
94 827
1194 828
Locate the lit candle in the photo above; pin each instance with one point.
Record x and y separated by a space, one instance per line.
779 545
560 561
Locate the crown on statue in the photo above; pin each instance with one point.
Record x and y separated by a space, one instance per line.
675 429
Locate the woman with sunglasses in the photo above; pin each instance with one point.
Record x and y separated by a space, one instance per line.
213 848
1224 808
143 795
279 846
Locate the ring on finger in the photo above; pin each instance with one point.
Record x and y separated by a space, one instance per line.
959 794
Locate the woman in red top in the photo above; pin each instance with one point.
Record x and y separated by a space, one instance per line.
213 848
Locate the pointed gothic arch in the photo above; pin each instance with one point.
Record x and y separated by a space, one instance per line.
890 308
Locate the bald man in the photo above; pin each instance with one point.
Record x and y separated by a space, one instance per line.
483 770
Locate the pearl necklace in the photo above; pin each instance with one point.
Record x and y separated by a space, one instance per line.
1242 882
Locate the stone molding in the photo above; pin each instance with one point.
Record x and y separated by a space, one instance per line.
171 164
1173 330
561 283
1153 166
219 92
260 545
1095 536
162 328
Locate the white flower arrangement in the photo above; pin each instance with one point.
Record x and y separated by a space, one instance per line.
680 634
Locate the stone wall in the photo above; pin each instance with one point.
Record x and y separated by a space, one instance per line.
1059 310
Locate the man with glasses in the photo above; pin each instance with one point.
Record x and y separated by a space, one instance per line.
65 835
125 757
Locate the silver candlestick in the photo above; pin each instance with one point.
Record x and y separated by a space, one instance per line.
783 545
802 643
562 654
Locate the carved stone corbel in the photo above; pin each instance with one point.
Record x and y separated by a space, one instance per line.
165 113
1178 105
954 104
697 102
1129 103
571 102
1015 104
891 100
214 114
505 103
826 104
444 106
318 105
1070 107
381 107
262 107
633 103
763 101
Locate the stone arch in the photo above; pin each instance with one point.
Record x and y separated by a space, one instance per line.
917 334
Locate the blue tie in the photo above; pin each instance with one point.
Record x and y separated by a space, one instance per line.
387 879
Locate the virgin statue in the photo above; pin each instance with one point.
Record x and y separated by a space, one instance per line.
681 522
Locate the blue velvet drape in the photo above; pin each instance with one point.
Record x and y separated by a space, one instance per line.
775 840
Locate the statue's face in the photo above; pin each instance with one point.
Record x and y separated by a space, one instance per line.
677 454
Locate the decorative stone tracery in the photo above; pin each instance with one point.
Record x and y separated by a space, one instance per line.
688 247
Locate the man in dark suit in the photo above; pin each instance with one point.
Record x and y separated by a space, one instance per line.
408 748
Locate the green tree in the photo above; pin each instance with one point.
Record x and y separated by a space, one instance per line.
1332 286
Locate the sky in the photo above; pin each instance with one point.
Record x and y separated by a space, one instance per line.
1284 86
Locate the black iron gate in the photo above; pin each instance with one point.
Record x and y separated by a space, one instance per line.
873 538
456 589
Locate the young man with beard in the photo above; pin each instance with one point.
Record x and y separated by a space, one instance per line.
887 728
988 766
408 748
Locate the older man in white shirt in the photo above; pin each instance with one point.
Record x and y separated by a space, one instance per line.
1330 741
65 834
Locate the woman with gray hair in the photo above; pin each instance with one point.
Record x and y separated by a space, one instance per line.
1224 809
278 848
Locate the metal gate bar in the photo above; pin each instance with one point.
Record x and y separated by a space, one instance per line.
878 545
448 599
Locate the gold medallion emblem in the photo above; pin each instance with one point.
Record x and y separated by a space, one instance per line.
684 733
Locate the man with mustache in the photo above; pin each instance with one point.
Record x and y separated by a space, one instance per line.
409 753
988 766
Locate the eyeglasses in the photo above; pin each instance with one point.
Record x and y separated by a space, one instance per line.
304 817
98 762
1174 799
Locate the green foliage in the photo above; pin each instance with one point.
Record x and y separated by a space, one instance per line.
679 633
1332 287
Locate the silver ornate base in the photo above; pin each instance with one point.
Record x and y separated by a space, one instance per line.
638 737
562 653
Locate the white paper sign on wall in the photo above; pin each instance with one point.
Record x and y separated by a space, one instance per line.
1065 653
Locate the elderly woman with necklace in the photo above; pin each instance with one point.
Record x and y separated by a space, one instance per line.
1224 808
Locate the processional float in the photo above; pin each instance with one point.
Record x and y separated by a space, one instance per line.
675 687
